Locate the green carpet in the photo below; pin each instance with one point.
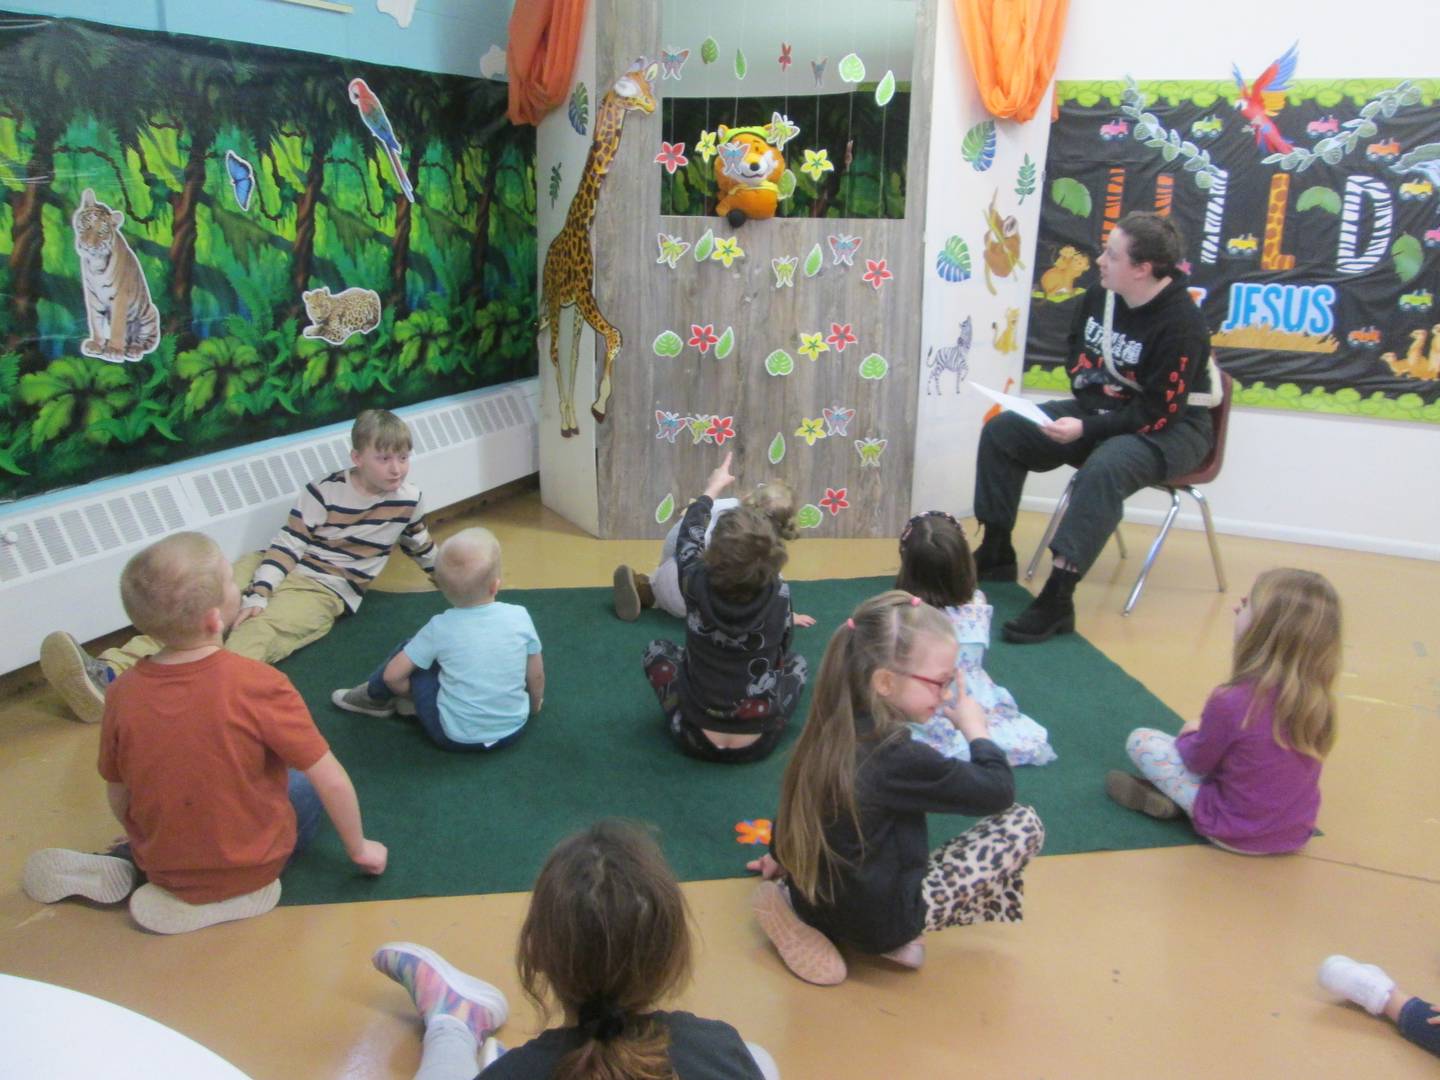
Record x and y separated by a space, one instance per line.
473 823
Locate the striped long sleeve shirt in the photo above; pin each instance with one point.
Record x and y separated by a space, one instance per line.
341 536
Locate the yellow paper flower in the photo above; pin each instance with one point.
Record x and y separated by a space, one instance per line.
727 250
817 163
812 345
706 146
810 430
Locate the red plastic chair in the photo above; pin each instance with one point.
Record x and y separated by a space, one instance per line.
1204 473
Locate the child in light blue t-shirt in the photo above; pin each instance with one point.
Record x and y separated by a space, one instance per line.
473 674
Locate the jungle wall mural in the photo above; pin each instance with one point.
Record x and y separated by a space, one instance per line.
1311 218
205 243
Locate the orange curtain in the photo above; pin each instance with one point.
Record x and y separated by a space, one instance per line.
1013 46
540 58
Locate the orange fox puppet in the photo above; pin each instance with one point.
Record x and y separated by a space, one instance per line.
747 175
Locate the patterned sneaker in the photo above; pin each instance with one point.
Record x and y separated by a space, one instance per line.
807 952
162 912
627 594
1136 793
79 679
1364 984
404 706
358 700
55 873
439 989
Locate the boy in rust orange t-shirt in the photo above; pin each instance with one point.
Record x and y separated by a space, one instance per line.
212 761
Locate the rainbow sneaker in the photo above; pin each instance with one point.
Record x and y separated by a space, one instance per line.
439 989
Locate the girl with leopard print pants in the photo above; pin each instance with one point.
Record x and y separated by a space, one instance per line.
850 863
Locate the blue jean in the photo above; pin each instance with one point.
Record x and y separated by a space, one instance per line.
425 694
1414 1025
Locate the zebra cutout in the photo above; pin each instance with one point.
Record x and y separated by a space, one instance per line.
954 358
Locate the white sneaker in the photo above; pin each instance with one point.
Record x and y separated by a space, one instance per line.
52 874
358 700
162 912
1364 984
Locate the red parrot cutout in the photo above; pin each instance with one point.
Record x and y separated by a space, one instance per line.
1265 97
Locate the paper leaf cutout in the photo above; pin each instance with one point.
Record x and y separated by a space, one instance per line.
665 510
1408 257
851 69
870 451
709 51
1069 194
779 362
554 184
704 246
814 261
885 90
579 108
953 262
668 343
1323 197
786 185
740 66
1025 179
776 453
978 146
726 345
874 366
809 516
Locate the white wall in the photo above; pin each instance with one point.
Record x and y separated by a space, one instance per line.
1337 481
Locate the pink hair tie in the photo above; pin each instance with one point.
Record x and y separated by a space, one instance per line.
850 623
914 601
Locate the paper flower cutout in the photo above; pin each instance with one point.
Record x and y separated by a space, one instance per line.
706 146
840 336
817 163
870 451
837 420
671 249
876 273
702 337
720 429
753 832
811 430
812 345
727 250
672 156
834 500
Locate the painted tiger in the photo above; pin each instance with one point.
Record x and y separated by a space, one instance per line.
123 322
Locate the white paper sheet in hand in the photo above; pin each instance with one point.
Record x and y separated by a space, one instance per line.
1015 403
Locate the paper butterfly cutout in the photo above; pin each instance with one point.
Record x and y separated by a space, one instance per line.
732 153
870 451
700 429
780 130
757 831
817 68
837 420
672 249
242 178
785 60
843 249
672 62
785 271
669 424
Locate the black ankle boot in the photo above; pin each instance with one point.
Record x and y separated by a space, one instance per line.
995 557
1050 613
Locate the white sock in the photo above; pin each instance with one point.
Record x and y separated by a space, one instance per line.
1364 984
448 1052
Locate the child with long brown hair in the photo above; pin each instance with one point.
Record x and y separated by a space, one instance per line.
1248 771
850 838
729 692
607 937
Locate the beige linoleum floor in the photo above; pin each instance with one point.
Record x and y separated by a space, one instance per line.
1174 963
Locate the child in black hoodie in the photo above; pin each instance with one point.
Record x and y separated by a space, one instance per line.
729 692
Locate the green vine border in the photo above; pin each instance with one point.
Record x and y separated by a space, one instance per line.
1326 93
1346 401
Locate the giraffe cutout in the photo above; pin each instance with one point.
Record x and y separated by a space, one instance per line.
1272 255
569 276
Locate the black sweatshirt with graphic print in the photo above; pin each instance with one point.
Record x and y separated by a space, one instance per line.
734 651
1163 345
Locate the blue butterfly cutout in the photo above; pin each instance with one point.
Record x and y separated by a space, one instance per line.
837 420
242 178
669 424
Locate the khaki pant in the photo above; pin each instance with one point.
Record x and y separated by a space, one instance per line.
301 611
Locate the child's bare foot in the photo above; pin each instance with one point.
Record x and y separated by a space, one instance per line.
807 952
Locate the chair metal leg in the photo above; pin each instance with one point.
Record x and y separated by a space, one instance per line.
1050 529
1204 503
1154 551
1120 543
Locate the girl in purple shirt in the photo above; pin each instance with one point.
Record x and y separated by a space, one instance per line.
1248 771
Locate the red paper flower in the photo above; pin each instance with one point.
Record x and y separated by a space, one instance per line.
672 156
721 429
834 500
753 832
876 273
840 336
702 337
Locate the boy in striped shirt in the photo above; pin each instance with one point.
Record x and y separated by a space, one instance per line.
338 536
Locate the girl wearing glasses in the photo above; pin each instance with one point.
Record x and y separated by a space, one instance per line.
851 863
